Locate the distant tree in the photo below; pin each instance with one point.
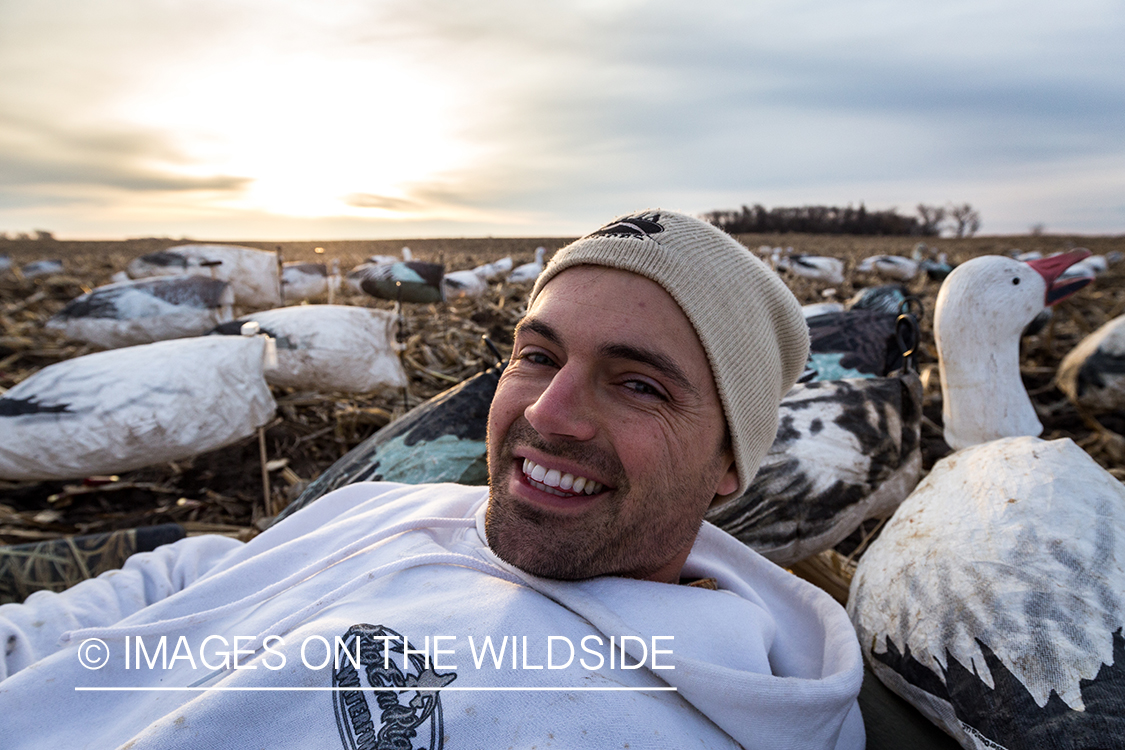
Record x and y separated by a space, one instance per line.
43 234
966 219
1038 229
932 217
813 220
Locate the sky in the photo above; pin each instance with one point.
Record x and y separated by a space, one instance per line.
335 119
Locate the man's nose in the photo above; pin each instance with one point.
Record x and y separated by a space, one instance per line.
565 408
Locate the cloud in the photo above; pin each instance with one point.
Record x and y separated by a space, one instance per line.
568 111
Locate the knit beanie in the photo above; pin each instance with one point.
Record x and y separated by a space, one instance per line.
748 321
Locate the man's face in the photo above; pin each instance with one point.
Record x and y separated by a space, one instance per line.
608 392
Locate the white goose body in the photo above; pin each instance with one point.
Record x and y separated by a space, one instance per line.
993 599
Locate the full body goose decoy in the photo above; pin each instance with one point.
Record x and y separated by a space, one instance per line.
529 272
474 282
993 599
816 267
889 266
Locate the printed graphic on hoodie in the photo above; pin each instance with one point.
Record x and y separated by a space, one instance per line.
370 719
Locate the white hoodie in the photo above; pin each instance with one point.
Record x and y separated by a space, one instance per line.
767 661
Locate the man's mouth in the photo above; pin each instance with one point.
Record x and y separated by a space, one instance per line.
555 482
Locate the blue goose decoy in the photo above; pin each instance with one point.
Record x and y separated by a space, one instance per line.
441 440
886 298
858 344
402 281
993 599
142 311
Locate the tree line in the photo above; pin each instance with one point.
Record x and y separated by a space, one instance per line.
958 220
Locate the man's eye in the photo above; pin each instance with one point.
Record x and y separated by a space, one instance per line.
537 358
641 388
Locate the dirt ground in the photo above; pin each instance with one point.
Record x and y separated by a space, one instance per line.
222 491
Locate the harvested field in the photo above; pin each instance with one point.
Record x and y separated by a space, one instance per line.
222 491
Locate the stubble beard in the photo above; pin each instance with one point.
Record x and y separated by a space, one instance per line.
593 544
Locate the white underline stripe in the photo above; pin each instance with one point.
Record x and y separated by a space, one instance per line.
378 689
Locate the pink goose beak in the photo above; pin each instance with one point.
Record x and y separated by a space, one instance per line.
1051 268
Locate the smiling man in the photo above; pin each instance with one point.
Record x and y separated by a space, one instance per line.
580 601
654 353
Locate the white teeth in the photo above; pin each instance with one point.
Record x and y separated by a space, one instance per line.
552 478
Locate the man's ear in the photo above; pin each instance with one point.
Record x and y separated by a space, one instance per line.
728 484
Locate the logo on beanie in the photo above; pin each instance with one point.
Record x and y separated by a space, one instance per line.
639 226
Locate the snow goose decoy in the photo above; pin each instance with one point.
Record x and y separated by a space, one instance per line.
252 273
458 284
496 270
41 268
529 272
845 451
330 347
301 280
1092 374
119 410
142 311
889 266
816 267
993 599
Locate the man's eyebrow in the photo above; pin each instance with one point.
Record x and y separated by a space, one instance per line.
662 363
541 328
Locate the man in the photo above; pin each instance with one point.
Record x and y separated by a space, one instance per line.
567 606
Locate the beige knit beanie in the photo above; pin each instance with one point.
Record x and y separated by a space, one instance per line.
748 321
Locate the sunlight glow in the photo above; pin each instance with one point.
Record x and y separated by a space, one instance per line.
363 134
